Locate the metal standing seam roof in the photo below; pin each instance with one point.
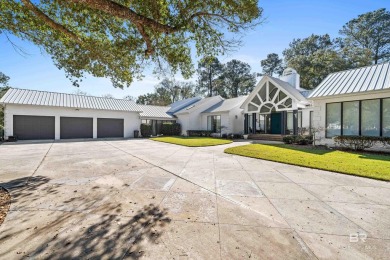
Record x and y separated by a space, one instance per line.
370 78
182 104
226 105
155 112
44 98
196 105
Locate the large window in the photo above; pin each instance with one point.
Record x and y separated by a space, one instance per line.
214 124
333 119
386 117
351 118
370 117
363 117
290 121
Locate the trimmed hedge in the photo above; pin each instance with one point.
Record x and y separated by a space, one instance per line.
359 143
298 139
205 133
171 129
146 130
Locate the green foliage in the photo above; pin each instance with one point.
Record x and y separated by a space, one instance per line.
205 133
360 164
236 79
272 65
209 72
314 58
168 92
192 141
366 41
119 39
4 83
146 130
171 129
356 142
3 80
298 139
369 33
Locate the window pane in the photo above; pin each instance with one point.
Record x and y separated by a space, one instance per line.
386 117
290 126
262 123
218 124
370 117
351 118
333 119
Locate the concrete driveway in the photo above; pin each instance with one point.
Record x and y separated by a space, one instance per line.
130 199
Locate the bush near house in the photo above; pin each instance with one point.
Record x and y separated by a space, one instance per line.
146 130
298 139
359 143
204 133
171 129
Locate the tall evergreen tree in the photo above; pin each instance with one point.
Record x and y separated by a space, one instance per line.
209 71
369 32
272 65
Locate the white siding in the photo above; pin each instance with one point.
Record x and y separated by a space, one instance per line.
131 119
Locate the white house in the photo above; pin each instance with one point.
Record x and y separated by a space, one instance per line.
352 102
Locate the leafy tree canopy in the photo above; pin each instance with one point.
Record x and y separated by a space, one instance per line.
118 39
167 92
369 32
272 65
237 79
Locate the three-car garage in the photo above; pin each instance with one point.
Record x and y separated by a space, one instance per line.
43 127
39 115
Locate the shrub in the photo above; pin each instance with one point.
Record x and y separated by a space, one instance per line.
206 133
225 136
357 143
146 130
289 139
298 139
171 129
385 140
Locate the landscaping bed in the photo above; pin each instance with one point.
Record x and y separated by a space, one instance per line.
376 166
5 202
192 141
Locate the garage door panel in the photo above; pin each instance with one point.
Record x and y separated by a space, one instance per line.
76 127
110 127
34 127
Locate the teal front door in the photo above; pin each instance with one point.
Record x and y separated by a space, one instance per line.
276 123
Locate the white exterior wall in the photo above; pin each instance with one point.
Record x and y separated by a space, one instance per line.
319 108
225 121
131 119
184 123
193 119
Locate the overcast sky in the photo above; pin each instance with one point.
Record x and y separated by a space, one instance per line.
284 21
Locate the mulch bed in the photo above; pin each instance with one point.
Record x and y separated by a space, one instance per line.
5 202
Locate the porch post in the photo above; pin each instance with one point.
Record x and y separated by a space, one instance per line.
253 123
295 121
284 122
246 124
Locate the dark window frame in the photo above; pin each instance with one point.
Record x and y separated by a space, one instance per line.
360 115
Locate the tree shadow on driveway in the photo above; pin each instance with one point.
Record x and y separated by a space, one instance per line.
55 233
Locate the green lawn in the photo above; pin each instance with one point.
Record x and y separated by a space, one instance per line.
192 141
361 164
